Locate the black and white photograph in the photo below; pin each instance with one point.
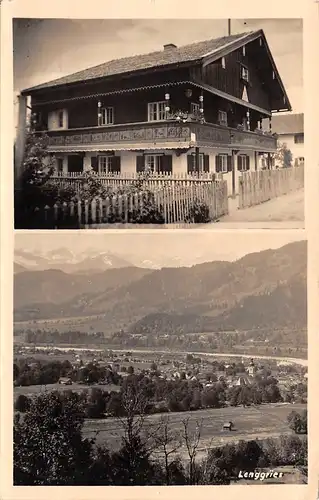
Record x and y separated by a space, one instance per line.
160 359
158 122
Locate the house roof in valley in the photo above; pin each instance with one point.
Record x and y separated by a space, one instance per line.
208 50
291 123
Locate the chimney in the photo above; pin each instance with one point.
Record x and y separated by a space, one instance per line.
169 46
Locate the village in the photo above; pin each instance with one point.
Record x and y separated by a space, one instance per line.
203 369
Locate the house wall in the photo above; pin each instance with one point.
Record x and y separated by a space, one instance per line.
179 163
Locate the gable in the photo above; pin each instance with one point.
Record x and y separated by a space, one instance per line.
265 88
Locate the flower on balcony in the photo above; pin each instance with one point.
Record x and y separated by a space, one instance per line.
184 116
240 126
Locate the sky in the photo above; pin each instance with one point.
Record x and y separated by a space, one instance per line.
164 247
45 49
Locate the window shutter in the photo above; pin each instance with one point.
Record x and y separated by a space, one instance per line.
115 165
94 163
239 163
206 163
217 163
140 163
190 164
167 164
229 163
248 162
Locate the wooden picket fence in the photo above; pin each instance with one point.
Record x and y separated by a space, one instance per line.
258 186
152 181
175 204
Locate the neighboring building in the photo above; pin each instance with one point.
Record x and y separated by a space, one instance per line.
197 108
290 130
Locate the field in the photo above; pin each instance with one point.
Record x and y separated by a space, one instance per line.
29 390
249 423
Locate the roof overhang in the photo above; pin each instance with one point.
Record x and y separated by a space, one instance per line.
231 98
200 85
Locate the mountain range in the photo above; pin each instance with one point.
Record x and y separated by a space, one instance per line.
265 289
68 261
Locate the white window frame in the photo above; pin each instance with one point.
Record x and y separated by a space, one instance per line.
223 62
223 163
152 162
156 111
222 117
201 162
107 116
244 164
244 73
195 107
104 164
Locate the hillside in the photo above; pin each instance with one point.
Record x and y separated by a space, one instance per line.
52 287
262 289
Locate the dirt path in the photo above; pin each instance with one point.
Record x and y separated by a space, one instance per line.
287 209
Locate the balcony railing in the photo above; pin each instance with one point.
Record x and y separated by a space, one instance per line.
159 134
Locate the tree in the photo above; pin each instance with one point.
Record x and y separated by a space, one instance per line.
48 444
153 367
96 404
132 461
166 443
298 422
22 403
283 155
130 370
191 441
36 189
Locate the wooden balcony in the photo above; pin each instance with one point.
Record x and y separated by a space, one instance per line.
158 135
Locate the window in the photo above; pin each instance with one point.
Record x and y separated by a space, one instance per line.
223 62
105 164
299 138
107 116
194 108
222 117
156 111
201 162
244 73
60 119
223 163
59 165
242 162
153 163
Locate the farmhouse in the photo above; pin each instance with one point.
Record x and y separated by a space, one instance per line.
196 109
290 131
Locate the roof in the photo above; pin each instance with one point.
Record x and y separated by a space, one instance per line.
187 53
288 124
